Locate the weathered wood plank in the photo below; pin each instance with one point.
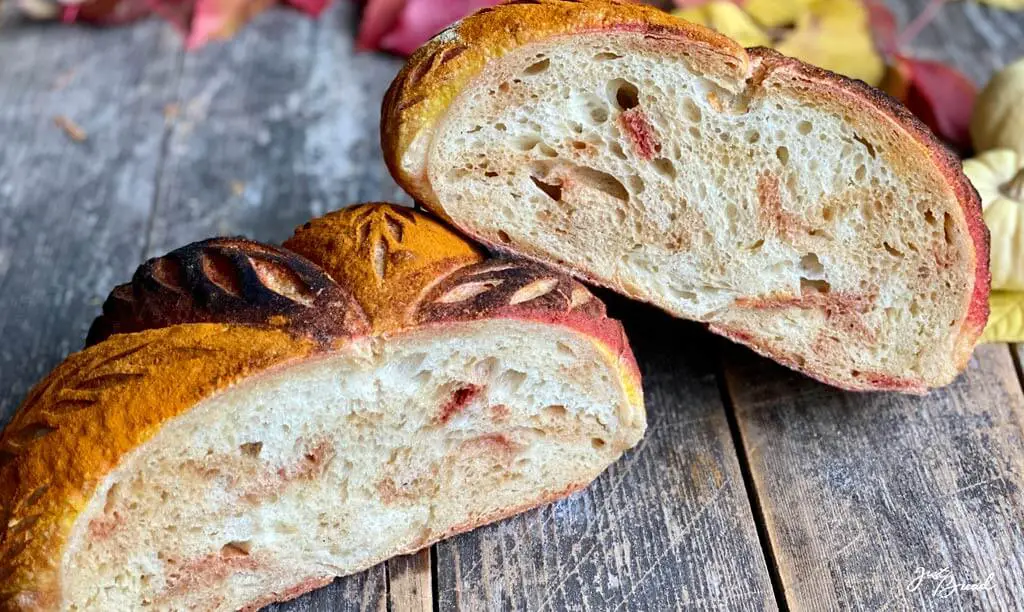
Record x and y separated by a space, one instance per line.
667 527
860 491
366 592
410 587
274 128
72 214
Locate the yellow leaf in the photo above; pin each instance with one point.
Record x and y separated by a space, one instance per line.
729 19
1006 322
776 13
1011 5
835 35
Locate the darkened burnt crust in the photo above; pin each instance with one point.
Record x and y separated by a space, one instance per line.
506 288
231 280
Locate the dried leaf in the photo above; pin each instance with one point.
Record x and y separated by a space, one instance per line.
402 26
1006 321
72 129
834 35
310 7
730 20
379 16
1010 5
220 19
777 13
938 94
883 25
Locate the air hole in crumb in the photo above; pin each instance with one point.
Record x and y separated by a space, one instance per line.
503 236
665 167
929 217
251 449
626 94
753 136
525 143
490 174
694 132
501 127
538 67
811 267
867 145
782 153
828 213
597 442
236 548
552 190
813 286
111 500
804 127
579 145
607 55
555 411
599 114
636 184
616 150
892 250
860 173
691 110
547 151
757 245
947 227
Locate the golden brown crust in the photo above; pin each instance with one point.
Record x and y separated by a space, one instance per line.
95 407
438 71
385 255
231 280
201 318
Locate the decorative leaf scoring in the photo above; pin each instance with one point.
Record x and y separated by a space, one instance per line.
533 290
232 280
379 232
463 292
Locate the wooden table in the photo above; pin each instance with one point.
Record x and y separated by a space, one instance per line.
755 488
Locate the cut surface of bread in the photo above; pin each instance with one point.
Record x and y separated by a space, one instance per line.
251 421
328 466
800 213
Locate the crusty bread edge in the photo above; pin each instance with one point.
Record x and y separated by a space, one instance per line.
435 75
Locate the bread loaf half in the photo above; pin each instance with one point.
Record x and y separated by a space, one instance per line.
803 214
253 421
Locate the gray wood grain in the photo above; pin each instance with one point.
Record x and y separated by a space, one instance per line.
274 128
72 214
667 527
859 491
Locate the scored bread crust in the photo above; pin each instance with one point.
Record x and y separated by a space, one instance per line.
204 317
416 103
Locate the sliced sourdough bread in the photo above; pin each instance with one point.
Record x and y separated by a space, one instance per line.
798 212
251 422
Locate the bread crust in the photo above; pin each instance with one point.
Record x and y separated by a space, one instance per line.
435 75
231 280
202 318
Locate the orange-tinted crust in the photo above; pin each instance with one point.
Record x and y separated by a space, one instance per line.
438 72
378 268
99 404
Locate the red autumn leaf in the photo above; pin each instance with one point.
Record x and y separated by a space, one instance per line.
883 25
379 16
939 95
310 7
400 26
220 19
